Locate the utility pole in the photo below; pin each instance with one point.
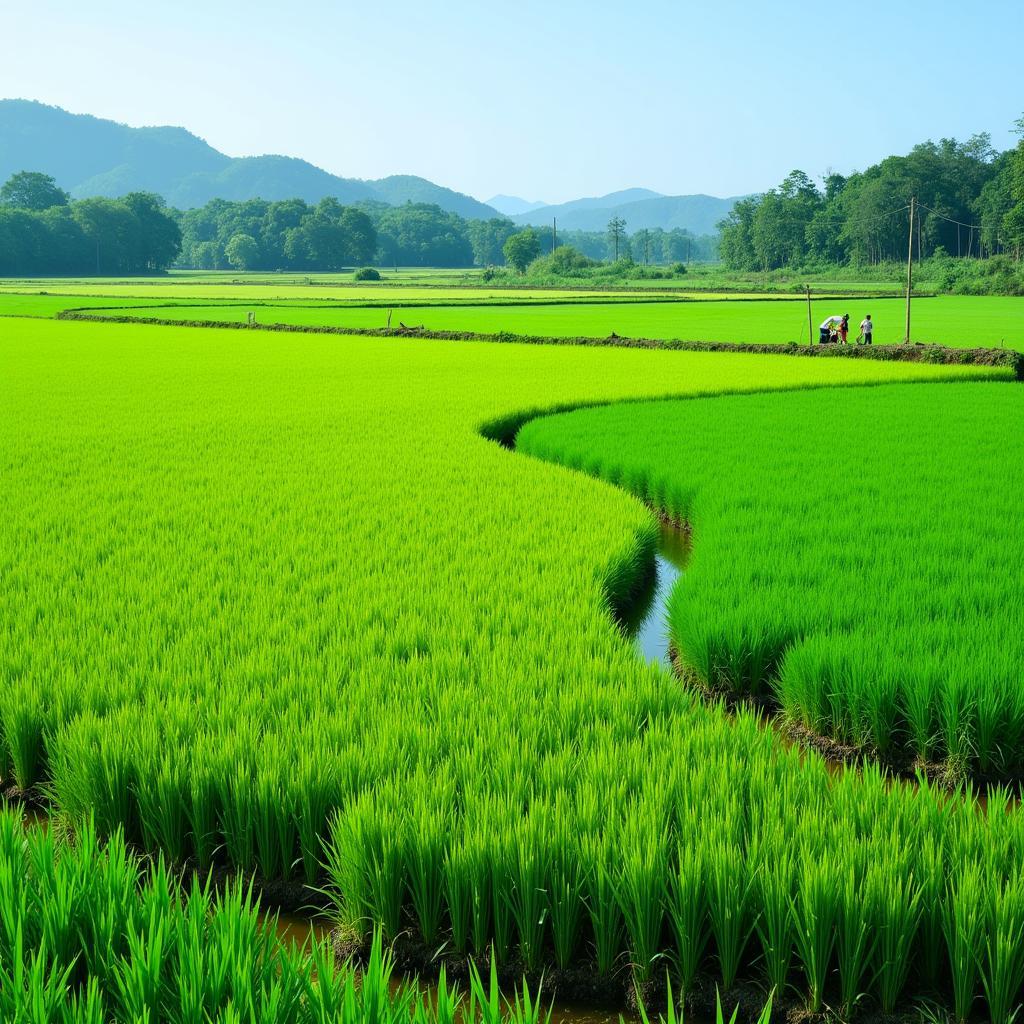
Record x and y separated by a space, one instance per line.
910 267
810 319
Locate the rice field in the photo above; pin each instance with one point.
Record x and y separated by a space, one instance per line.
276 603
962 321
855 556
90 934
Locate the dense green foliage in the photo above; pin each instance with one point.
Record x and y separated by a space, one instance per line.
39 235
286 234
521 249
132 235
30 190
860 581
212 639
970 203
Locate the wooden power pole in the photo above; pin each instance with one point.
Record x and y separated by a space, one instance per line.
810 319
910 268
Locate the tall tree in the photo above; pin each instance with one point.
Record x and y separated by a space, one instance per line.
242 252
158 235
30 190
616 233
521 249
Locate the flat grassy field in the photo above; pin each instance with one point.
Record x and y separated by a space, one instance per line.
852 555
312 305
258 591
243 289
962 321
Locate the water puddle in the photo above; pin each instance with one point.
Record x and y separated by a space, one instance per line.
647 620
299 929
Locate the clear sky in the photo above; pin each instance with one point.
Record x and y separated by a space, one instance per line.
544 100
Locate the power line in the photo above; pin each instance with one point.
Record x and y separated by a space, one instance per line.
952 220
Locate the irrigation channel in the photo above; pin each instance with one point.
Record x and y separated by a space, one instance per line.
647 620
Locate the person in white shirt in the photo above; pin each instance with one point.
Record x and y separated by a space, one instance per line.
866 327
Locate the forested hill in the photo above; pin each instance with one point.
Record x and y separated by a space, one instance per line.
89 156
968 201
640 208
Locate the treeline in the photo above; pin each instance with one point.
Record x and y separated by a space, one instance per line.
293 235
646 246
42 232
969 202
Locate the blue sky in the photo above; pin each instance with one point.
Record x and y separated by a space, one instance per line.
543 100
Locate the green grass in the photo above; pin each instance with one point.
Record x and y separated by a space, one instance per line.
964 321
258 591
853 555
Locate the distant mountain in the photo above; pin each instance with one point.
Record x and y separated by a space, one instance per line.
510 205
90 156
610 201
640 208
407 188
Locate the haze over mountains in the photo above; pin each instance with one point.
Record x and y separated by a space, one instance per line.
639 207
90 156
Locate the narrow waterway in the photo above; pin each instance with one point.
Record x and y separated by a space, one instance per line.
647 621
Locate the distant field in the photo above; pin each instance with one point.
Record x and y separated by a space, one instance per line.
964 321
48 303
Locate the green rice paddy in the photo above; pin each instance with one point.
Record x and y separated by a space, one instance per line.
275 603
854 555
961 321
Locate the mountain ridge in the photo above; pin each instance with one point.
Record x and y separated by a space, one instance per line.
698 214
92 156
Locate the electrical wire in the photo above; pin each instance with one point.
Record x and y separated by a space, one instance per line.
952 220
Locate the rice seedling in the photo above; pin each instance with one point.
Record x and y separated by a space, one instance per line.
1002 966
687 910
774 883
814 913
565 902
964 925
729 897
854 940
895 907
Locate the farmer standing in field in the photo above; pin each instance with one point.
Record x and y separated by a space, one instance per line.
844 328
866 327
829 330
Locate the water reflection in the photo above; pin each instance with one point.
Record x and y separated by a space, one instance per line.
647 620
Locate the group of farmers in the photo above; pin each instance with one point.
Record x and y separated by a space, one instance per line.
835 329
